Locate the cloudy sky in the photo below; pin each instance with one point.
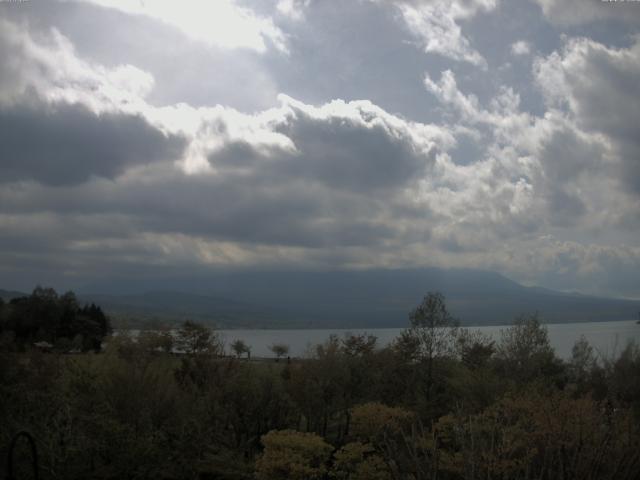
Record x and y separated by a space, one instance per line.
160 138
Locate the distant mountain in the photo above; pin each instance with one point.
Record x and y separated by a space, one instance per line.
350 299
7 295
172 306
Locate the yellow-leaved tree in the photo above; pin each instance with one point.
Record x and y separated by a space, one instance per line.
292 455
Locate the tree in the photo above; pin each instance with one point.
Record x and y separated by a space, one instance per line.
531 434
45 316
359 461
583 362
388 430
194 338
94 326
359 345
152 341
239 347
624 376
524 351
68 324
474 348
291 455
279 350
373 421
356 365
432 333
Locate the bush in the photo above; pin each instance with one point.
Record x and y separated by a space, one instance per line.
291 455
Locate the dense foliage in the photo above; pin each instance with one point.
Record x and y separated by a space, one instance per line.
52 320
440 402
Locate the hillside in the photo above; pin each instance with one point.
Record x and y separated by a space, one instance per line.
7 295
372 298
158 307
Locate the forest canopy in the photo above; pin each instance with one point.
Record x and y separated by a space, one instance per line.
52 320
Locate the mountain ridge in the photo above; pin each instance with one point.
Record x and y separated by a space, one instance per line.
344 298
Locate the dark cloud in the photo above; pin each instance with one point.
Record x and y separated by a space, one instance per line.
567 159
251 210
346 155
339 152
64 144
339 188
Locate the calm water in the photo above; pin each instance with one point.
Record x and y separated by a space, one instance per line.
608 338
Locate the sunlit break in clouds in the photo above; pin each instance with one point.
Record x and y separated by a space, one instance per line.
151 137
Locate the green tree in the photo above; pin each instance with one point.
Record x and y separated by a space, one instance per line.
318 383
356 370
524 352
194 338
359 345
475 349
432 334
582 364
624 377
44 315
279 350
239 347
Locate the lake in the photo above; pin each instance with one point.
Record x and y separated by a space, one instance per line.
607 338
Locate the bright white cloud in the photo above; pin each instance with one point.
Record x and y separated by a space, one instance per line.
597 88
597 83
447 92
294 9
55 73
221 22
556 171
437 26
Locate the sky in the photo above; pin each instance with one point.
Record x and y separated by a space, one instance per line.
150 138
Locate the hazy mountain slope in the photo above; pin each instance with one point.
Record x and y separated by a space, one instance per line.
7 295
371 298
175 306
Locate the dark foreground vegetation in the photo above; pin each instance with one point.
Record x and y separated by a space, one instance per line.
439 403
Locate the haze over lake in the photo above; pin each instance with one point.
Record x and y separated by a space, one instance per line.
607 338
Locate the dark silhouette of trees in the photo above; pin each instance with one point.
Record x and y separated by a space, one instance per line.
525 351
279 350
431 335
59 320
194 338
239 347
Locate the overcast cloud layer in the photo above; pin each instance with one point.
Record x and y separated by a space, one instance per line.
175 137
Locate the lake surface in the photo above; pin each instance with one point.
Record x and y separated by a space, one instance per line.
607 338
